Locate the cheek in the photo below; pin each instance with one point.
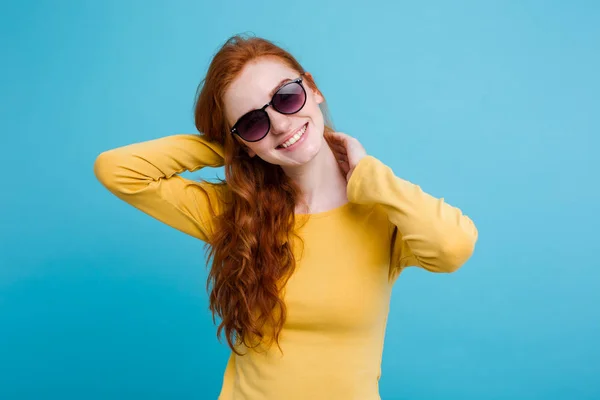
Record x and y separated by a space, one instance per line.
261 148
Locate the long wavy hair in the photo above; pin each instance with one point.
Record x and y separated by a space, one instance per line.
252 247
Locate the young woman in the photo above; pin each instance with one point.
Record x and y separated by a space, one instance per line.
307 233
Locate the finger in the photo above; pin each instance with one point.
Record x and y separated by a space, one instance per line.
343 161
336 138
345 167
341 136
342 164
338 144
339 149
341 157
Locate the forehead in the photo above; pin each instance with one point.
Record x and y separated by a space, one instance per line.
250 89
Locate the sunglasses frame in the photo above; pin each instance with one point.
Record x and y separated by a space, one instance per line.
298 81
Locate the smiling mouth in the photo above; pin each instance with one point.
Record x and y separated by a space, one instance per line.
297 136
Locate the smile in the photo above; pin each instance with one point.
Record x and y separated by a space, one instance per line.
294 138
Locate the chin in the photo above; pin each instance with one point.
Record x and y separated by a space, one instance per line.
304 155
301 156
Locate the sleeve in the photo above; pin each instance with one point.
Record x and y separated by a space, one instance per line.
145 175
426 231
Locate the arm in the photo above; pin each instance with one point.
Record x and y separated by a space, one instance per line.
145 175
428 232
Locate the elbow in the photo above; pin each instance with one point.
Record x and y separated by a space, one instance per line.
456 252
102 168
118 173
105 170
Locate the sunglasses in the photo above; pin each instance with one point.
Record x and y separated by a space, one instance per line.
255 125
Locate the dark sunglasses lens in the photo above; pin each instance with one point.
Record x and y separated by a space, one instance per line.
253 126
289 99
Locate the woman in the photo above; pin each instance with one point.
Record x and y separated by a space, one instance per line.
307 233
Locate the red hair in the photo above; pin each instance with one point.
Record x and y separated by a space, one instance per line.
251 248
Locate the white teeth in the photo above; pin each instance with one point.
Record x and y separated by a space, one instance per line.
294 138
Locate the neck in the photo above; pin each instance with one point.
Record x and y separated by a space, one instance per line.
321 182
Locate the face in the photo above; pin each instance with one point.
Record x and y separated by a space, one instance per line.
251 90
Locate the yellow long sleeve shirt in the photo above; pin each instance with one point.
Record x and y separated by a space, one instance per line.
338 297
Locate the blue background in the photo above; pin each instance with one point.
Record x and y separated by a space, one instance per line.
492 105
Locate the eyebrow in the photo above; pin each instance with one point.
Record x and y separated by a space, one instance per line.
279 85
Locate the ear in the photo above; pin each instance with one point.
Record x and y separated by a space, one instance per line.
318 97
316 93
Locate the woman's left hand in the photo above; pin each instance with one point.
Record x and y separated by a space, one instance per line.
347 150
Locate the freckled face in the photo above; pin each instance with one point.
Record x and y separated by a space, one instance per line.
293 139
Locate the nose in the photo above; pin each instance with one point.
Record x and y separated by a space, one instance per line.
280 123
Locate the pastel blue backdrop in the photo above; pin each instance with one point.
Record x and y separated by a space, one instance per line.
492 105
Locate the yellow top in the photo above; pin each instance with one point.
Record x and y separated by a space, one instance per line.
338 297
